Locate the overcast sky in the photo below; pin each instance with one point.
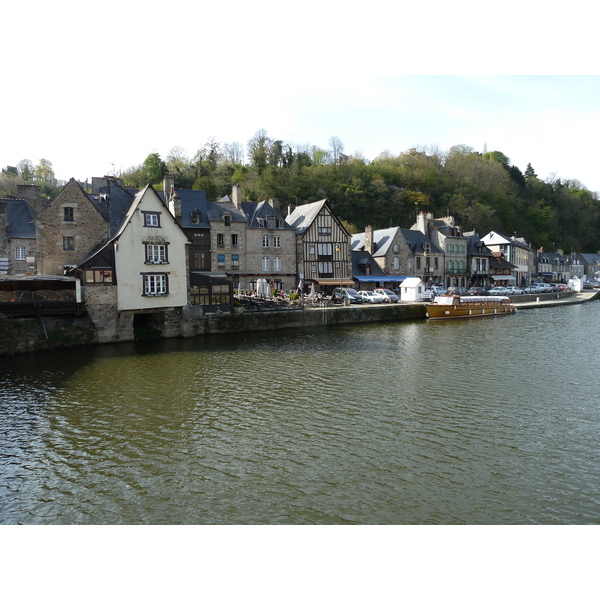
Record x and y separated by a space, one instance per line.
96 87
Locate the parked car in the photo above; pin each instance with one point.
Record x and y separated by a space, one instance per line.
497 291
349 294
438 290
546 287
513 290
477 291
563 287
371 297
591 283
387 295
534 288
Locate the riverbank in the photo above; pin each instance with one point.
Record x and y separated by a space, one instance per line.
19 336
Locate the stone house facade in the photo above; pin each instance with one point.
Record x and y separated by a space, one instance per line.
270 247
70 227
445 234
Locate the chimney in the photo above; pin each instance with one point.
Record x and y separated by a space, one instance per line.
168 186
274 203
174 205
369 247
236 195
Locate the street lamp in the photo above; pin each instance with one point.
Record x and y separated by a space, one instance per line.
339 253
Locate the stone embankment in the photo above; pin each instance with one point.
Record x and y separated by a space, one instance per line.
29 335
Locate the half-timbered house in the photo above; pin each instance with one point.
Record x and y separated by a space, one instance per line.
323 254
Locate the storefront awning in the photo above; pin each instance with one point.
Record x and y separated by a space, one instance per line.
503 278
338 282
382 278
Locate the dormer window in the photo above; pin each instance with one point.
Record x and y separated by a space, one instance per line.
227 220
271 222
196 217
261 222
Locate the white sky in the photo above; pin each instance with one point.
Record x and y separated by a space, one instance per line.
96 87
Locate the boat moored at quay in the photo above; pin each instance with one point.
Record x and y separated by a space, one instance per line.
466 307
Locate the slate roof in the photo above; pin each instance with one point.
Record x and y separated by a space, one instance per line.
113 204
417 239
302 216
192 200
262 210
360 260
19 219
475 247
382 240
225 206
590 257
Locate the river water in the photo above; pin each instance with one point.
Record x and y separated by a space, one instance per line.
489 421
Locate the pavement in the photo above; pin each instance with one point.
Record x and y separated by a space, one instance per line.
545 300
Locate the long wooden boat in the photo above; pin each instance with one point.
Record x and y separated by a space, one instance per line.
466 307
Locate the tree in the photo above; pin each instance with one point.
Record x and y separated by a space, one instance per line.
337 147
44 172
154 169
25 168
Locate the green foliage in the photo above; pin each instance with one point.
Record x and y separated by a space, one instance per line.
482 191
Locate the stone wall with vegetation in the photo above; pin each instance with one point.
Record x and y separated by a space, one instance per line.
31 335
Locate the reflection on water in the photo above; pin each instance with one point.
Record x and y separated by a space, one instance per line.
483 421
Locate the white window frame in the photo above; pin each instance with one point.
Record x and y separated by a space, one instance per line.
276 241
151 219
265 243
277 263
156 253
266 263
155 284
21 253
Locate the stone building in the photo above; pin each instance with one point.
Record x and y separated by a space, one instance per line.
70 227
270 247
445 234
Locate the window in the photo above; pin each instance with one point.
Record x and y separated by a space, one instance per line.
311 250
151 219
324 230
95 276
196 217
235 261
266 263
68 242
156 253
276 241
261 222
68 213
265 241
271 222
325 268
418 262
155 284
227 220
396 262
20 253
234 240
221 261
220 240
277 263
395 248
313 269
325 249
436 263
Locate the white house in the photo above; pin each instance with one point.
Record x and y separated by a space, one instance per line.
150 261
411 289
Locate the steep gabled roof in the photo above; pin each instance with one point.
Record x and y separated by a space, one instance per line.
191 200
360 260
382 240
302 217
261 210
225 206
416 240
